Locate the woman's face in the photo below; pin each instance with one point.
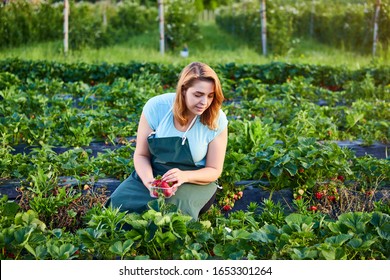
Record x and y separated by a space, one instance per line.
199 97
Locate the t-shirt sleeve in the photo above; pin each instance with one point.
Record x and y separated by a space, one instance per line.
150 112
156 108
222 123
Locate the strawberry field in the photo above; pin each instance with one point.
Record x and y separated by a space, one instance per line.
306 175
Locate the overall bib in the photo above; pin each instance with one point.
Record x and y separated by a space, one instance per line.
166 153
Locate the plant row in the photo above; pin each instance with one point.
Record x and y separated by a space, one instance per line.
332 78
163 233
58 113
344 25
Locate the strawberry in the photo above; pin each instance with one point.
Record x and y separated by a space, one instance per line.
156 182
167 192
313 208
341 178
301 170
227 207
332 198
319 195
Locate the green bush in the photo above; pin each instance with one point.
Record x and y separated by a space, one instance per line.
243 20
181 26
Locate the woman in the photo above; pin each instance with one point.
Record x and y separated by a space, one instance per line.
181 136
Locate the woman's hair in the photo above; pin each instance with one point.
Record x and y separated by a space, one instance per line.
197 71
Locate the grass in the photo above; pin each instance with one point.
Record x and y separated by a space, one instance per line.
215 47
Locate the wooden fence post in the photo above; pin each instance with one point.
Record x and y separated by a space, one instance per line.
161 26
376 18
263 27
66 26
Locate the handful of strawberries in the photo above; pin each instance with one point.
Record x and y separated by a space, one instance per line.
161 187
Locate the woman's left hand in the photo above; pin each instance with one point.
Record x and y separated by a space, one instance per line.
176 176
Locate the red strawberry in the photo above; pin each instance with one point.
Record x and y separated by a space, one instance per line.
164 185
167 188
318 195
156 183
332 198
341 178
227 207
313 208
168 192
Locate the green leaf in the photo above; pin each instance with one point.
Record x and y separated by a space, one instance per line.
355 220
276 171
10 209
116 248
384 231
120 248
304 254
153 229
260 236
179 228
332 253
162 220
21 235
237 255
41 252
30 249
67 250
203 237
381 221
291 168
283 160
57 232
299 222
138 224
218 250
355 243
240 234
165 238
338 239
269 233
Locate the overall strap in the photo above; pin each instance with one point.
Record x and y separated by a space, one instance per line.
189 127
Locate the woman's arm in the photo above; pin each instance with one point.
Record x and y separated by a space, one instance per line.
142 163
211 172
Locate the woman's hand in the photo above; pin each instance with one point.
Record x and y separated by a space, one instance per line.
176 176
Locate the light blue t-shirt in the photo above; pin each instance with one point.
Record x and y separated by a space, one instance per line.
158 113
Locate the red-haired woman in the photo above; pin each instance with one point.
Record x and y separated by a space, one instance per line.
181 136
